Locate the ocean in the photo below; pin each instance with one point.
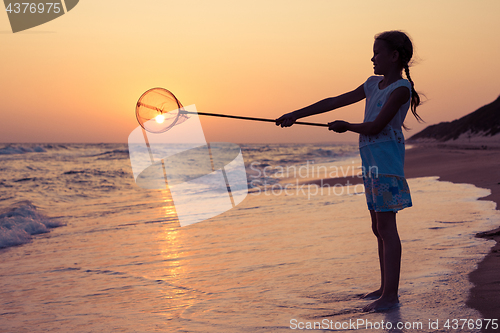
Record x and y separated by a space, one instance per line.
84 249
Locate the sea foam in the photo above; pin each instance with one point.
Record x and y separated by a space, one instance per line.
17 225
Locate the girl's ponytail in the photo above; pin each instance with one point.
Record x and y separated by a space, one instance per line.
415 98
399 41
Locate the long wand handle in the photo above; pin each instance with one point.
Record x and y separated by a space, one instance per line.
248 118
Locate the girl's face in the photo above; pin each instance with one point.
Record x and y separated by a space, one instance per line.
383 58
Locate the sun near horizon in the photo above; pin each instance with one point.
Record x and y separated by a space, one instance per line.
77 78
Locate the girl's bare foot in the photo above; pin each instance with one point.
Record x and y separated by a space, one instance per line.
382 304
373 295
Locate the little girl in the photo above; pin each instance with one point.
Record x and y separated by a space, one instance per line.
381 144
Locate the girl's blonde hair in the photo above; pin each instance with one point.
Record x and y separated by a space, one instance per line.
399 41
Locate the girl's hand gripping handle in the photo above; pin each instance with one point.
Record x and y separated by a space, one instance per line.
338 126
286 120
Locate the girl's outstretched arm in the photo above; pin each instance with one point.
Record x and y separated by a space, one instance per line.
397 98
327 104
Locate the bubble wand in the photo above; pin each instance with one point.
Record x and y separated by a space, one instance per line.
167 111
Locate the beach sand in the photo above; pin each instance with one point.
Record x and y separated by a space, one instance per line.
458 163
481 167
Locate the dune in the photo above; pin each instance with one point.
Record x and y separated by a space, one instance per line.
482 123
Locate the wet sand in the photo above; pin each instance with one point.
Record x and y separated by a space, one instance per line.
481 167
472 164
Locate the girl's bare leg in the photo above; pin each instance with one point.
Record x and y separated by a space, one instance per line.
388 232
377 293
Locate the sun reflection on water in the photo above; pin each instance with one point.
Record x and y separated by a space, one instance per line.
175 267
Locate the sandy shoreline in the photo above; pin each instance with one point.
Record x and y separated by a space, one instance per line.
477 165
472 165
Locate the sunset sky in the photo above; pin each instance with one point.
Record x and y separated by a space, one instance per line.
78 77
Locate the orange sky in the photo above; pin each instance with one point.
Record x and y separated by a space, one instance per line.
77 78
